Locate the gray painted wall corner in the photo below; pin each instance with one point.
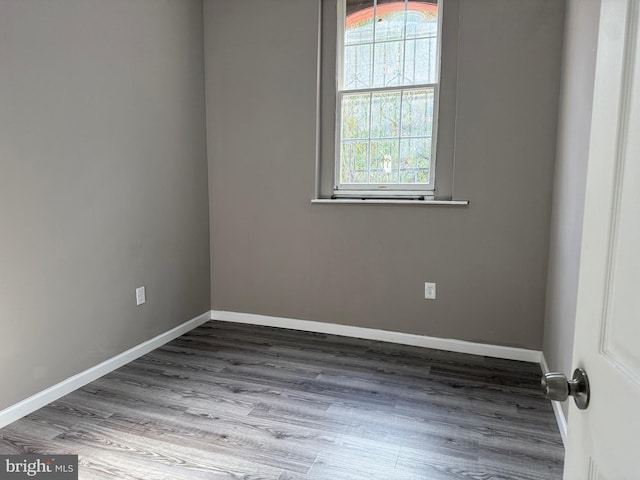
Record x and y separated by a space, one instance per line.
579 54
103 183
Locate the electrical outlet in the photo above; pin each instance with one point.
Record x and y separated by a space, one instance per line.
430 291
140 296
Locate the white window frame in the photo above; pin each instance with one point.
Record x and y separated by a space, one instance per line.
426 190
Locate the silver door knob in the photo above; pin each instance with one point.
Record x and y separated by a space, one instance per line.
556 387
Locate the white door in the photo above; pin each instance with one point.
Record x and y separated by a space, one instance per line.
604 440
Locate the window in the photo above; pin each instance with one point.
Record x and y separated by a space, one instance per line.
387 97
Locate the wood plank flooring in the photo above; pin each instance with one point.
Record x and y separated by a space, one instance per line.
230 401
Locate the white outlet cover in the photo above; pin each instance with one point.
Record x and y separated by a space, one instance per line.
140 296
430 291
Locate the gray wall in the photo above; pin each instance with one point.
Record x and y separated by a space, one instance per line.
574 126
103 183
274 253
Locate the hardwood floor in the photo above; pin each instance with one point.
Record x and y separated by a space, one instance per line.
230 401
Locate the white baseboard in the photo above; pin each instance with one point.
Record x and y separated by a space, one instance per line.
39 400
561 419
460 346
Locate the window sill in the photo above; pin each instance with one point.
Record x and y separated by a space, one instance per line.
382 201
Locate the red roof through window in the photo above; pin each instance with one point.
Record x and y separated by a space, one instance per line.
384 9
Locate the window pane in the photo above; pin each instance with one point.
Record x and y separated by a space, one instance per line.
385 115
417 113
376 53
387 70
359 22
423 176
415 160
384 161
422 20
357 66
355 116
390 17
421 60
354 162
